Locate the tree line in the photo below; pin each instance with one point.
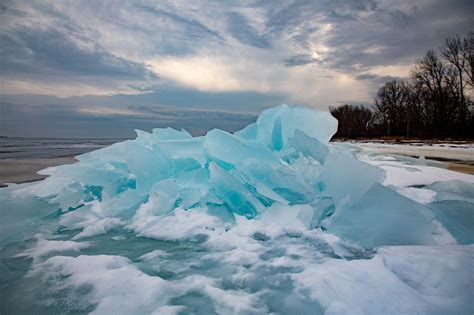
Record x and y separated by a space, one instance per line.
435 102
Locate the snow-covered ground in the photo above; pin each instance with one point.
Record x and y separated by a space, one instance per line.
444 151
404 171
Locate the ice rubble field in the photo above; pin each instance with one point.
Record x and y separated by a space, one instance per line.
271 219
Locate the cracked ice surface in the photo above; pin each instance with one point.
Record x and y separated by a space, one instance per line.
271 219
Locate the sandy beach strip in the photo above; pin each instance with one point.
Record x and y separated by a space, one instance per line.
466 168
25 170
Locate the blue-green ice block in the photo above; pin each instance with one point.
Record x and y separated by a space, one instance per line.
384 217
453 190
457 217
309 146
347 179
316 124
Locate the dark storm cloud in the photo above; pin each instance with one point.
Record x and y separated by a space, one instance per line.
240 28
401 34
399 31
402 30
298 60
289 16
376 80
49 52
192 27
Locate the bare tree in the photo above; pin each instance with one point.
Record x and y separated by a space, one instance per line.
392 104
456 54
354 120
468 51
430 74
435 102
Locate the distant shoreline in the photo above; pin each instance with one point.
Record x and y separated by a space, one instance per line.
21 158
24 170
403 140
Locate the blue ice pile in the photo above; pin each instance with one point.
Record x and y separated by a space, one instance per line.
281 160
271 218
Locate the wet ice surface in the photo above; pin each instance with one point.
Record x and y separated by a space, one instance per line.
271 219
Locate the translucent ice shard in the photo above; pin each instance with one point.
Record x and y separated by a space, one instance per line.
231 149
346 179
383 217
279 124
457 217
167 134
453 190
148 164
231 188
309 146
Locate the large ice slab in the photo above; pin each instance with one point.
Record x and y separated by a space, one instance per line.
276 126
457 217
383 217
453 190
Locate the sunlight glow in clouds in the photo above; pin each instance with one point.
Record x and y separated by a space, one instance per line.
302 84
204 73
400 71
106 111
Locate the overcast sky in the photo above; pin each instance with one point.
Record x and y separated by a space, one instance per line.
102 68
